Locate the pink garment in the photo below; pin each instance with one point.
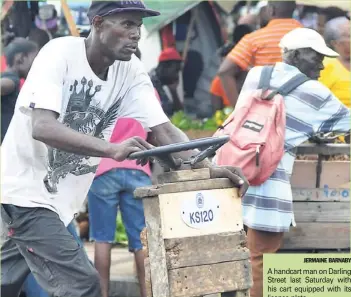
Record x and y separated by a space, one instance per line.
125 128
257 133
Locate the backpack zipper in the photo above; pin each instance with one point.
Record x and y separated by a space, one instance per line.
258 155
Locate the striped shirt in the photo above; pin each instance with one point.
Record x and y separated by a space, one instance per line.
262 46
310 108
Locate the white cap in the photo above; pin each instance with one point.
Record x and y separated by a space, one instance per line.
261 4
306 38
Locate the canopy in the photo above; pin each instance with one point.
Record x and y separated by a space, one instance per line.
170 11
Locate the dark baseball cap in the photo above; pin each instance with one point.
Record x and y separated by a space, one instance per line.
104 8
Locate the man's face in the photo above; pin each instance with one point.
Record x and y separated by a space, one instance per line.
26 61
309 62
170 72
342 45
119 34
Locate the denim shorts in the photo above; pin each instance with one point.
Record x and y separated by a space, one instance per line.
110 191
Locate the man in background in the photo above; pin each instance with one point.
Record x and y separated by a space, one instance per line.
165 78
19 55
328 13
259 47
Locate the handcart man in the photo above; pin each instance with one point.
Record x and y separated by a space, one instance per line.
76 90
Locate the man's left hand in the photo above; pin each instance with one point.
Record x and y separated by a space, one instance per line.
234 174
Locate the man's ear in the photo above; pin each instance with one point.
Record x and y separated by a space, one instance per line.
296 56
97 22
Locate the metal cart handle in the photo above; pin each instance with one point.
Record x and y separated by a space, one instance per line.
209 146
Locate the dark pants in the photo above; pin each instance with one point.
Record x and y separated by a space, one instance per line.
31 287
259 243
38 242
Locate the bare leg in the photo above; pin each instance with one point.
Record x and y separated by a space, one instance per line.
139 261
102 261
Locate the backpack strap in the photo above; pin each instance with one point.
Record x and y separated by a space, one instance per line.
292 84
265 78
289 86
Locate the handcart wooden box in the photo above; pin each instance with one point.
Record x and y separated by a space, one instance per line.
321 194
195 242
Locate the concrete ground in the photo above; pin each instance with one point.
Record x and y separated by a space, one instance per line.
123 276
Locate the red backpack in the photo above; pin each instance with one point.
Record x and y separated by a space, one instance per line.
257 129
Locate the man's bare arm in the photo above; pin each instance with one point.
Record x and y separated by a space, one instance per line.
168 134
228 72
47 129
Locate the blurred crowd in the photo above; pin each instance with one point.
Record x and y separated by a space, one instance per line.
252 42
255 43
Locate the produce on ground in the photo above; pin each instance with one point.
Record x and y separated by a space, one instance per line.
120 234
184 122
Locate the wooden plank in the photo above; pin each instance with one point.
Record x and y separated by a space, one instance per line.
321 195
217 183
304 174
228 217
318 236
156 248
201 250
322 212
69 18
148 277
326 149
210 279
335 173
184 175
143 239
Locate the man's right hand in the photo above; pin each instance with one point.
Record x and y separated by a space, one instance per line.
66 139
120 152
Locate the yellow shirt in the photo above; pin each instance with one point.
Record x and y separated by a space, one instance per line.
337 79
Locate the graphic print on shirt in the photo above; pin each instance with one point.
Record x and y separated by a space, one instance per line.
84 115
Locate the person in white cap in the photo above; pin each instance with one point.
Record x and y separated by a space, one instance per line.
306 48
310 108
